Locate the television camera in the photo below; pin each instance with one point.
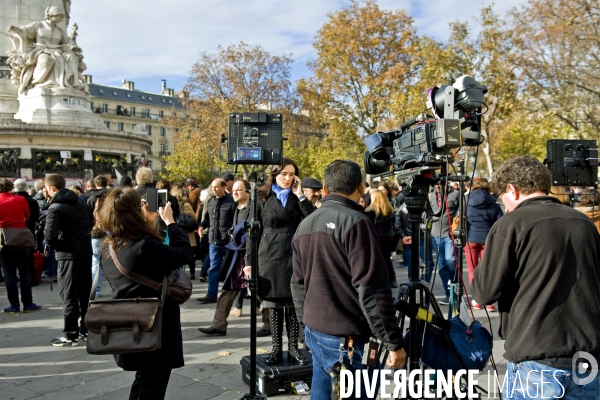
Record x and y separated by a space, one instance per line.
456 121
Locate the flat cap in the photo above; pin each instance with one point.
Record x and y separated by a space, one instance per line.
311 183
228 176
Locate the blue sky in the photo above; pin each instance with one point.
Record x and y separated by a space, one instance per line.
148 40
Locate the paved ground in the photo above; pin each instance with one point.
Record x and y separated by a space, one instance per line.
30 368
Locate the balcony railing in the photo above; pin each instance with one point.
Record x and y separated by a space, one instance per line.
140 114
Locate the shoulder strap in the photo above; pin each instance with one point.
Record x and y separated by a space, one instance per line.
132 275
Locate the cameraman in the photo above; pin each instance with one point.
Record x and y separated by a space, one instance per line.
541 265
339 280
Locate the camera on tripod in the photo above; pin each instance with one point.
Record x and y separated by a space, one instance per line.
456 121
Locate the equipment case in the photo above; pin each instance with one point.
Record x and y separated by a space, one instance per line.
275 379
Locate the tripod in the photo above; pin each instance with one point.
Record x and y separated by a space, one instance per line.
253 228
459 237
415 296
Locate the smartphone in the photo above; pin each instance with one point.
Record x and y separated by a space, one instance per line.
162 198
156 198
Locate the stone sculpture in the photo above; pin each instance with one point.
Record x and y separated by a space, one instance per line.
45 56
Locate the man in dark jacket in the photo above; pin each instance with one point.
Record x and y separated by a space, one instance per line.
100 182
67 232
218 220
542 266
34 216
235 261
338 285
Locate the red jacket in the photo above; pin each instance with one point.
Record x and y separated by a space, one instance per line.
14 211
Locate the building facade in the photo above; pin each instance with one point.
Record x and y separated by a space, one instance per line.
127 110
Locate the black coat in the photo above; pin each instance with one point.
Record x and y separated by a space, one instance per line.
278 226
34 211
219 219
149 257
68 226
384 224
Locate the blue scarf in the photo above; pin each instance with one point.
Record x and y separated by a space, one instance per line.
282 194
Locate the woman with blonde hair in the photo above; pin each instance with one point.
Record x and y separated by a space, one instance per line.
381 212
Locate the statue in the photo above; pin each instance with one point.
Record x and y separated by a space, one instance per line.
44 56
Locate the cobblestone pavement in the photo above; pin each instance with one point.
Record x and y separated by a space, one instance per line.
30 368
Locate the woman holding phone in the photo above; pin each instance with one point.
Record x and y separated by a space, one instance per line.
280 209
131 232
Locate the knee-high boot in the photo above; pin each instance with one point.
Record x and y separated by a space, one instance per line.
294 334
276 317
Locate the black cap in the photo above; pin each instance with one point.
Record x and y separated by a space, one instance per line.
228 176
311 183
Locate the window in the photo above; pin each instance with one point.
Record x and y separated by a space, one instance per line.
105 108
132 111
107 124
147 113
162 131
161 114
149 129
175 130
133 126
121 127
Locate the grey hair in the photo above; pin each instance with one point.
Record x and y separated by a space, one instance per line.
20 185
144 175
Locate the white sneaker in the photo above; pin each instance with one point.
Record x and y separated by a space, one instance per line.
64 341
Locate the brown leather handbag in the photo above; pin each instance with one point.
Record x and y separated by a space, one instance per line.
19 239
119 326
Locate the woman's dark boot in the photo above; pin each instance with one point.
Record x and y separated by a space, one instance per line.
276 317
293 349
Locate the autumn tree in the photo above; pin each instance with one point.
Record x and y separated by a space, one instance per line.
557 55
364 58
238 78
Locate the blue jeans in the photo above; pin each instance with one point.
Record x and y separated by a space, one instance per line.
216 254
97 263
532 380
325 351
11 262
446 261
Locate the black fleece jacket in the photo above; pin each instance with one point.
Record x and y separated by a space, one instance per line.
542 266
340 283
68 226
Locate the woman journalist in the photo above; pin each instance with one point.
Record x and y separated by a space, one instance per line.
139 248
280 209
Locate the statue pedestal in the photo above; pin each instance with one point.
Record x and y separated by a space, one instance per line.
58 106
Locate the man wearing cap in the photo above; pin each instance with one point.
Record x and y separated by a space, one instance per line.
228 178
311 189
234 261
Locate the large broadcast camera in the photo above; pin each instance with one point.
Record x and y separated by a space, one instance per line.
455 123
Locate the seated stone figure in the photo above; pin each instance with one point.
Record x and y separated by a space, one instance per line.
45 56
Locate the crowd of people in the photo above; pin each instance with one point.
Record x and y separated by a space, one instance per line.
324 255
